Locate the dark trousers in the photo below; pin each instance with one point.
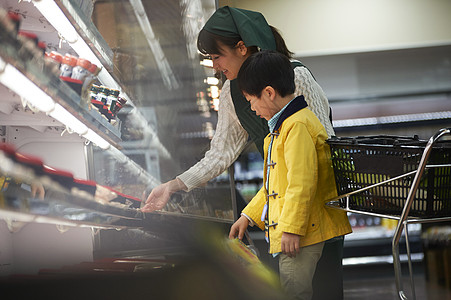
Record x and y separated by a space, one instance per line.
328 278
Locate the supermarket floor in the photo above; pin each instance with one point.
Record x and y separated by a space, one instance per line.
378 283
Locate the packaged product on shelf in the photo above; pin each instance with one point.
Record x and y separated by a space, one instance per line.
102 95
55 58
67 65
31 162
107 114
64 178
75 84
8 150
103 194
16 19
53 62
29 42
42 46
93 71
80 70
112 99
29 36
88 82
87 186
126 201
99 97
119 105
40 177
93 94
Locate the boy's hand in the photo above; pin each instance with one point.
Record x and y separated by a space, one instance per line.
290 244
239 228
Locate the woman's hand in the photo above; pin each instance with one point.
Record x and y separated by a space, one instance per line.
290 244
160 195
239 228
37 189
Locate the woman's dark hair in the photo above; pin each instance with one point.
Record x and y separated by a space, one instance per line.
281 47
207 43
266 68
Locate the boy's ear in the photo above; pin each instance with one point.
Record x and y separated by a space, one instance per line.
270 92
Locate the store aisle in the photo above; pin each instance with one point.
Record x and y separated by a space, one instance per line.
378 283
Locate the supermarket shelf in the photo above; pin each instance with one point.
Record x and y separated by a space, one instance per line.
92 37
24 59
86 29
66 204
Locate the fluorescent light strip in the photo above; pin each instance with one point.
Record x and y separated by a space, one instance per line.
51 11
65 117
96 139
392 119
387 259
25 88
168 76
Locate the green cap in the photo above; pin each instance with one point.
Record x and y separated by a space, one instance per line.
251 26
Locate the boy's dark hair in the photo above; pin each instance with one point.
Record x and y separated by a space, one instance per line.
266 68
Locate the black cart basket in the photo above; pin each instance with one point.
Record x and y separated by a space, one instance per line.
381 169
402 178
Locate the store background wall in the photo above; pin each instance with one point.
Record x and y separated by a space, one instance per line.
337 27
372 58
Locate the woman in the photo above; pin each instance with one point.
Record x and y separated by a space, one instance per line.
229 37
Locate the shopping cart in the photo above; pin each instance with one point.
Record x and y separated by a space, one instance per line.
400 178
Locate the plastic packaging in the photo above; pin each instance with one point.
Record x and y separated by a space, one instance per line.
81 69
67 65
16 19
112 99
42 46
29 36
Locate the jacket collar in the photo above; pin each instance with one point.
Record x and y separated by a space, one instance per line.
294 106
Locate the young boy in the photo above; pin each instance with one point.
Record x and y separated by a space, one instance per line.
298 175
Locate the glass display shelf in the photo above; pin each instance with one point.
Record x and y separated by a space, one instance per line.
27 61
62 208
119 166
86 41
58 202
55 201
86 29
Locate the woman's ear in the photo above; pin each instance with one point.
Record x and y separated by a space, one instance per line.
242 48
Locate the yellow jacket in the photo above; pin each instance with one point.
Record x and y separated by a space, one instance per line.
303 180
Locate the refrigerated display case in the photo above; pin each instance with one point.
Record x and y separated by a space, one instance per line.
93 165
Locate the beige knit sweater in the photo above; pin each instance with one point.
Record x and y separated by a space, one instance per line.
230 138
